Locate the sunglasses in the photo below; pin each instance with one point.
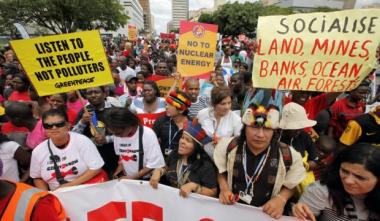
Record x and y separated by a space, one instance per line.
51 125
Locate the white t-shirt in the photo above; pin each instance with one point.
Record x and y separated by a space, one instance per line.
137 105
128 71
10 169
79 156
128 150
229 126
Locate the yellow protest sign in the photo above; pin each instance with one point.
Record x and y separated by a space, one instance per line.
164 83
132 32
329 52
66 62
196 50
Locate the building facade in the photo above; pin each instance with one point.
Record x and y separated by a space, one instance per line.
135 12
169 26
148 27
133 9
306 5
180 11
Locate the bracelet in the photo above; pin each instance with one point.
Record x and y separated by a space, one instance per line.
283 199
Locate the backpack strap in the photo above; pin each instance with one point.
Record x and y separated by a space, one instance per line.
232 145
286 155
141 149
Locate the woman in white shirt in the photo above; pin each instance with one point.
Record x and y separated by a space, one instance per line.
66 158
219 121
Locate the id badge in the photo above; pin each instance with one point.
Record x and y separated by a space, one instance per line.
245 197
168 151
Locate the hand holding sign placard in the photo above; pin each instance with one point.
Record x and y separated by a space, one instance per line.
329 52
62 63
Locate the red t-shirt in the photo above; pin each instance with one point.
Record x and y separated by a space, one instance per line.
8 127
313 106
341 113
157 77
72 115
44 210
126 53
17 96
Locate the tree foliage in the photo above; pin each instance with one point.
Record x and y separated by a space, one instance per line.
206 18
63 16
324 9
236 18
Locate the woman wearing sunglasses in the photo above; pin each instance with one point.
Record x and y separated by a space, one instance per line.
66 158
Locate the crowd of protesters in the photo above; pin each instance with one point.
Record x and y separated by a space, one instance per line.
312 155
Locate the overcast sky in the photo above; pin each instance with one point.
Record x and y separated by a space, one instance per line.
161 9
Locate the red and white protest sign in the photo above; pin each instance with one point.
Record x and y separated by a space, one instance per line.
133 200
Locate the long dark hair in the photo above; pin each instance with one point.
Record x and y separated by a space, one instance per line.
363 154
196 159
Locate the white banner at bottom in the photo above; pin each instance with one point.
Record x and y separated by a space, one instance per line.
137 201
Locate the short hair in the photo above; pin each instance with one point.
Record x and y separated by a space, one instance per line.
55 112
245 65
143 73
247 77
149 67
218 94
154 86
63 95
15 109
238 76
115 70
191 79
120 118
102 88
23 78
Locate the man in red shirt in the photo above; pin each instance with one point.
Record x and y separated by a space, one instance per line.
346 109
315 104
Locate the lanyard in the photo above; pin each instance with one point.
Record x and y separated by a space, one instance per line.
181 173
258 170
170 134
